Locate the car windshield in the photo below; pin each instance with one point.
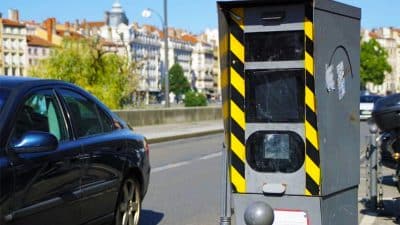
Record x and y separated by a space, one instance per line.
369 98
3 97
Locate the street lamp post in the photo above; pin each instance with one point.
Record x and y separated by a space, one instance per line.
147 13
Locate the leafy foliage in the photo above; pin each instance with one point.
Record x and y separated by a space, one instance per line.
86 63
178 83
194 99
374 62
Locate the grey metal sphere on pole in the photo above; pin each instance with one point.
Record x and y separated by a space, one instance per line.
147 13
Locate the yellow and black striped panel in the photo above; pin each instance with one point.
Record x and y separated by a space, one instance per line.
313 170
237 100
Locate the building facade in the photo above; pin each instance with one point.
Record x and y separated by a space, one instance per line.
203 68
115 29
38 49
180 52
14 46
210 36
146 52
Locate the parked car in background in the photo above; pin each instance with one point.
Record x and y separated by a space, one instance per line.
367 105
65 158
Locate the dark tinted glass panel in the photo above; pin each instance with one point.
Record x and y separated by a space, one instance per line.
3 97
275 96
106 122
84 113
275 151
41 112
274 46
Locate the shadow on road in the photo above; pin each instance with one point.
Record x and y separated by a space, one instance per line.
149 217
390 211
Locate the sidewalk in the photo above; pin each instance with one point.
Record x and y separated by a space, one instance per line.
170 132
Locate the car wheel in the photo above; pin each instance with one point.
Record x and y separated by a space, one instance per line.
129 203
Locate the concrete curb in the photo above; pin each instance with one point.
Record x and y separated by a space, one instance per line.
183 136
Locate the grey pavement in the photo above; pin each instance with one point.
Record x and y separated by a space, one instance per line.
169 132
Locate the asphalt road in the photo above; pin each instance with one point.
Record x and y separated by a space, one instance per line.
185 183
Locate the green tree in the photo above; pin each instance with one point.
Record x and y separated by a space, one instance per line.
178 83
84 62
374 63
194 99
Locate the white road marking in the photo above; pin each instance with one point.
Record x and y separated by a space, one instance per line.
184 163
211 156
170 166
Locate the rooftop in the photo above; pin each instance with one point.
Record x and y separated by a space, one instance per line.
72 34
12 23
37 41
190 38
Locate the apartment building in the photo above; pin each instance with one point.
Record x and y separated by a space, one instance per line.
180 52
203 67
14 46
146 52
38 49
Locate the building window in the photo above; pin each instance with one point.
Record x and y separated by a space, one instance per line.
35 51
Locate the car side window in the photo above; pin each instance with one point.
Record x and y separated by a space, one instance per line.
106 122
41 112
87 119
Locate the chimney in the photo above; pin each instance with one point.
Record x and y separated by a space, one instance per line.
67 28
13 14
53 25
109 34
107 18
85 27
50 25
77 25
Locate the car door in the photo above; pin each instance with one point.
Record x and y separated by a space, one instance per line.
103 149
46 184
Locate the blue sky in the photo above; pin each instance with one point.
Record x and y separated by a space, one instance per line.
192 15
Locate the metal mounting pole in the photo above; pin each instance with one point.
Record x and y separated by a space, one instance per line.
166 78
373 162
225 218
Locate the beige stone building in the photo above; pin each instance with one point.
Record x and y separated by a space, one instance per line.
14 46
38 49
203 68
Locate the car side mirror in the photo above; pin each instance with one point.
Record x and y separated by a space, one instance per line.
35 142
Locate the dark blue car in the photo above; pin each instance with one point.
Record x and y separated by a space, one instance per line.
65 159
